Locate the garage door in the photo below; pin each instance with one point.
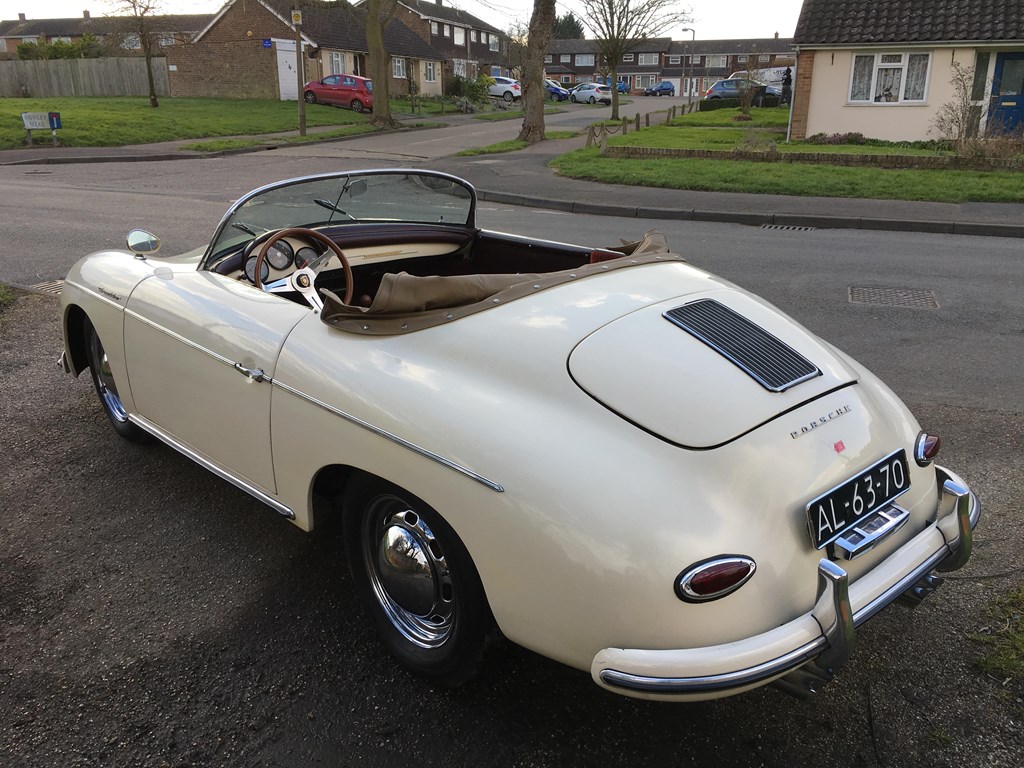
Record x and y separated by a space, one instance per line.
287 85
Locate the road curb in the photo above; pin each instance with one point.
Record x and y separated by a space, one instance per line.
752 218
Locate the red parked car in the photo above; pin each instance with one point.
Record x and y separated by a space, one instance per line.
341 90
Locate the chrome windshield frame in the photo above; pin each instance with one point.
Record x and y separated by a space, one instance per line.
207 261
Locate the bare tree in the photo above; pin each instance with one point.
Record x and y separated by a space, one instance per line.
541 23
957 120
379 13
620 25
141 15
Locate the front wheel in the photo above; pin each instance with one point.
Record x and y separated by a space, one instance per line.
309 97
417 580
593 100
103 380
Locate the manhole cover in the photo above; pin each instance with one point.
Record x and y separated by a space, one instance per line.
895 297
53 286
788 228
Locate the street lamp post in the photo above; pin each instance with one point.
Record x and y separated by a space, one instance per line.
689 61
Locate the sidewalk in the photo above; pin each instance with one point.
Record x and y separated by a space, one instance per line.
523 179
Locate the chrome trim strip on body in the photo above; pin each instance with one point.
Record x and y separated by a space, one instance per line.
207 464
94 294
793 659
392 437
179 338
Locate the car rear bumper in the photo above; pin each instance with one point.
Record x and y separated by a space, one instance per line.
803 654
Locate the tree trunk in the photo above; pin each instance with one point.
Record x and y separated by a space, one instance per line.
147 49
378 62
541 23
613 79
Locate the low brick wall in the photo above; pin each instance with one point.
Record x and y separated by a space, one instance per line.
946 163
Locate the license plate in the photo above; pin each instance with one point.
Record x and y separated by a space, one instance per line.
835 512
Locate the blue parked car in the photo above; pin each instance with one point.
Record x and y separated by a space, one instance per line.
664 88
555 91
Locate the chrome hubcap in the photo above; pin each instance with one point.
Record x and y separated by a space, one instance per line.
105 381
408 572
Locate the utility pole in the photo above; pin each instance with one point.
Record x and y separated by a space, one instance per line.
297 21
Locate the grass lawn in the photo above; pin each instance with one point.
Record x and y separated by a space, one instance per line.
425 106
1004 656
795 179
114 122
513 144
774 117
220 145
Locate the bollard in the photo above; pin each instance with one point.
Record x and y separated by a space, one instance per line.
625 126
647 120
590 137
637 122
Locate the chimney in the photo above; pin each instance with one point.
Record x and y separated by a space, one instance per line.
85 15
776 35
21 17
439 2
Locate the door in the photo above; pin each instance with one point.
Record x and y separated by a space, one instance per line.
287 80
1007 115
201 351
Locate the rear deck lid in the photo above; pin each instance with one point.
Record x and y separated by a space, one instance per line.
702 370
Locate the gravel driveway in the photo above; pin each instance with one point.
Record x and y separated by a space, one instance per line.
153 615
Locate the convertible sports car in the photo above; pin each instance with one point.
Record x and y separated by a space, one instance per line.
620 461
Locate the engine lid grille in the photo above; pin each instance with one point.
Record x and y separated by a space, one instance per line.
766 359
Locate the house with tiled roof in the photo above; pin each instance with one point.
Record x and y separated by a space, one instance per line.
695 65
883 67
173 29
470 45
578 60
248 51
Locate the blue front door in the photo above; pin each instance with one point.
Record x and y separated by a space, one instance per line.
1008 94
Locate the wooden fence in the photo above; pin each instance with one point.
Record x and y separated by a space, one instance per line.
82 77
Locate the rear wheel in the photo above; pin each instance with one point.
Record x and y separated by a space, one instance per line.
417 580
106 388
507 96
357 105
310 97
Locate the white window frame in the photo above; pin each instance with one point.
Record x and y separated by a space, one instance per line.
434 30
337 59
492 44
472 35
717 61
674 59
695 60
131 42
741 59
627 57
564 58
3 44
430 71
398 68
495 71
547 58
30 39
647 59
764 58
645 81
585 59
460 36
884 60
566 78
62 39
446 30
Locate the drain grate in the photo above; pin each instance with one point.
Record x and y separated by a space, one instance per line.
896 297
788 228
53 286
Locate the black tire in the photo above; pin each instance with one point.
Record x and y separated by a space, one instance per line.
357 105
507 96
572 98
425 597
593 100
310 97
103 380
554 97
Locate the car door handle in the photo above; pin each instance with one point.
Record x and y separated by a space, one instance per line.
256 374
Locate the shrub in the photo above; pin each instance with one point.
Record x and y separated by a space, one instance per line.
709 105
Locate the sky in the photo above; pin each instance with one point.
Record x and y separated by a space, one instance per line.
712 19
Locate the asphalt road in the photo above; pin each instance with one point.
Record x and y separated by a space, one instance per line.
151 614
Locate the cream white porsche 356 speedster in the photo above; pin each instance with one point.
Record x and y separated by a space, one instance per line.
623 462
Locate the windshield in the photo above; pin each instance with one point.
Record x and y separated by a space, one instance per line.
349 198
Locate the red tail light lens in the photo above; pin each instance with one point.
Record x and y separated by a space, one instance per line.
714 578
926 448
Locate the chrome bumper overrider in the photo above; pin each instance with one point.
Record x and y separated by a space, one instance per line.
806 668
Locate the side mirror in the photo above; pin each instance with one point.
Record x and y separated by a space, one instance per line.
141 243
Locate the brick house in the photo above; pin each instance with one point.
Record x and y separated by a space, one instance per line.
883 69
170 30
574 60
248 51
694 66
470 45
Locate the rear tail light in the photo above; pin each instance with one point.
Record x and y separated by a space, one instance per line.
714 578
926 448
